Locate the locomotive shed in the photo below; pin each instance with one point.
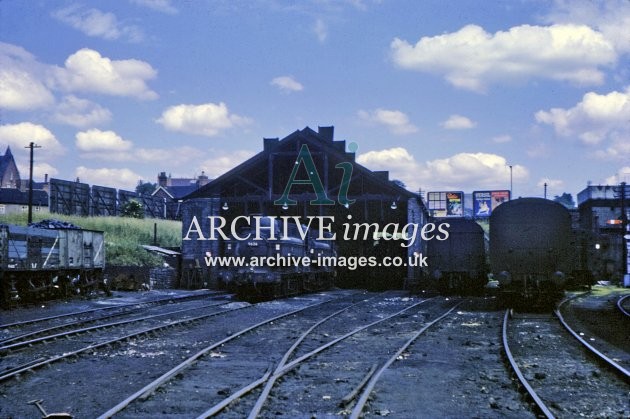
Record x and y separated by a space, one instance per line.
353 194
454 367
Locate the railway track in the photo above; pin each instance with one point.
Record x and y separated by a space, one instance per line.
144 357
70 349
306 358
622 302
95 314
561 378
136 314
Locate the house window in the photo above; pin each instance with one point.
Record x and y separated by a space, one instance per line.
24 208
3 209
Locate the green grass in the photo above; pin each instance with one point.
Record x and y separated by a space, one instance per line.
123 236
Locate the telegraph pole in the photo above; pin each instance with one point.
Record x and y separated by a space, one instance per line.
32 146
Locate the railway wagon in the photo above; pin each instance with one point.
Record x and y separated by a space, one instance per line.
281 271
458 264
531 251
40 263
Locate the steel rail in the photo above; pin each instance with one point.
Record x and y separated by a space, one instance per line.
620 304
6 348
358 407
618 369
537 400
49 361
77 313
282 367
272 380
152 386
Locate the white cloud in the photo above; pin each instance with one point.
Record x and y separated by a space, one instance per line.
594 119
20 135
622 175
80 113
39 170
287 84
97 140
98 24
208 119
20 85
87 71
552 185
610 17
163 6
114 178
321 30
463 171
222 162
396 121
458 122
472 58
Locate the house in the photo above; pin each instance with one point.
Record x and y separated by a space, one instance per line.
172 190
9 173
15 201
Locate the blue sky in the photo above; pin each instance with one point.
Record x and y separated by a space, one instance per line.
445 95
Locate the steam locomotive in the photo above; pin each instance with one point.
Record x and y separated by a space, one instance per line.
44 263
280 269
531 251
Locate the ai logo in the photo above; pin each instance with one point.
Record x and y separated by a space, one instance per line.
305 158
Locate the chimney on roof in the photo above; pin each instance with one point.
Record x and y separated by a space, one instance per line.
202 180
269 143
326 132
45 177
162 179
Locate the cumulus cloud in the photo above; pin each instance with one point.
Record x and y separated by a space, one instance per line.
552 185
20 80
610 17
208 119
20 135
397 121
115 178
222 161
80 113
465 171
98 24
40 170
458 122
622 175
472 58
594 119
97 140
287 84
162 6
87 71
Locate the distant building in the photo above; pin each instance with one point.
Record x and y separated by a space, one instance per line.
172 190
601 218
9 173
15 201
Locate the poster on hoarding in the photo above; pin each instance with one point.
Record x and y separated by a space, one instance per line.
484 202
446 204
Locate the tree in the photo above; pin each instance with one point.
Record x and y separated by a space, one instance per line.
132 209
145 188
565 199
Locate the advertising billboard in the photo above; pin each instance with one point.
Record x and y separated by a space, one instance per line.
484 202
446 204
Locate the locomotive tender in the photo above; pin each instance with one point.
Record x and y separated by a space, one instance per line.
531 251
43 263
281 270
